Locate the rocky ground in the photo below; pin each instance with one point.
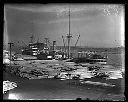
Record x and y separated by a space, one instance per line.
36 69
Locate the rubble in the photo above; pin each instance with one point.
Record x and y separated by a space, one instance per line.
62 70
115 75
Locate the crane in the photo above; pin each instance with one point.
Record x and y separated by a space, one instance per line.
24 43
77 40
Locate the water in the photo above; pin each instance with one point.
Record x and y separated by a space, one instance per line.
57 89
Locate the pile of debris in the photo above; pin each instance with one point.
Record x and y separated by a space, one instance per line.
62 70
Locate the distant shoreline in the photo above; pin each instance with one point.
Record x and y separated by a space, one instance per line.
113 50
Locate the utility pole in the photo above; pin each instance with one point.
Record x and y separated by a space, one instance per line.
10 44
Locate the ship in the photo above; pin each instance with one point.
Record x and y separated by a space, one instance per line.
33 48
91 58
43 51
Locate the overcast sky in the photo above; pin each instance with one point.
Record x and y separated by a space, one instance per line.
98 25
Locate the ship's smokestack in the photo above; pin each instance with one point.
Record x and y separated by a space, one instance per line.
54 45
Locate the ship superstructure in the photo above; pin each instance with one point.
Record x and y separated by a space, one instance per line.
34 48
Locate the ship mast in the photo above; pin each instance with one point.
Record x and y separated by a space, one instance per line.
64 44
69 36
46 41
31 41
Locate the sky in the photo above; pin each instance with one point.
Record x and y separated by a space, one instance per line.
98 25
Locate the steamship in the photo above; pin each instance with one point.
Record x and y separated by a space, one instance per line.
43 51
